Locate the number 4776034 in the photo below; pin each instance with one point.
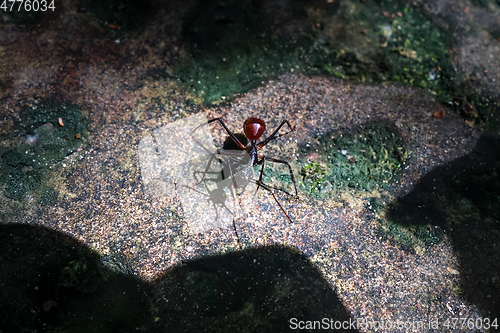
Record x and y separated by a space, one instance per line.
27 5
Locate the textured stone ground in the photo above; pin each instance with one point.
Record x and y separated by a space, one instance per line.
104 204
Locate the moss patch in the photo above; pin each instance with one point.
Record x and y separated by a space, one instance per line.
38 142
412 238
363 160
47 196
235 46
391 41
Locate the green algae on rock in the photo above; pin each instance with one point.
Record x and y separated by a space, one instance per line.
367 159
45 134
234 47
363 160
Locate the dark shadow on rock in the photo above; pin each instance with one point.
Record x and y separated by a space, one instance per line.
258 290
51 282
462 200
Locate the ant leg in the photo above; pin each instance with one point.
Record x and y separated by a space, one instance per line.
272 193
270 159
228 132
237 236
210 152
209 164
210 161
231 162
260 183
270 137
214 156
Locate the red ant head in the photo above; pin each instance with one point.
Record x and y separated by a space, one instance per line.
254 128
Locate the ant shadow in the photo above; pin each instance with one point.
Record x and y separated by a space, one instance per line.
214 186
462 200
52 282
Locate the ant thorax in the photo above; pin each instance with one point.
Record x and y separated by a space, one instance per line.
252 153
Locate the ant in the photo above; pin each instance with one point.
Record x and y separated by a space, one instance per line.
253 129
